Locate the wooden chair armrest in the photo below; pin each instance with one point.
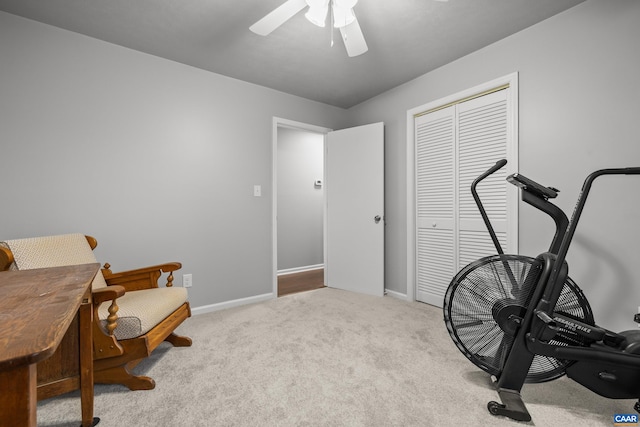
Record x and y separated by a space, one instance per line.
6 258
140 278
100 295
109 293
105 343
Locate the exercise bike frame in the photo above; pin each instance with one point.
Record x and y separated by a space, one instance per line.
540 323
534 194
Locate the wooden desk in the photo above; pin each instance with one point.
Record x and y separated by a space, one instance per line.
37 308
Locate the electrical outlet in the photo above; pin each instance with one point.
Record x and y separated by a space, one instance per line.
187 280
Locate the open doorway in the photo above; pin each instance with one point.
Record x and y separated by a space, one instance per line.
299 207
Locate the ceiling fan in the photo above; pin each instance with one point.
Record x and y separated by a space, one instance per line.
340 13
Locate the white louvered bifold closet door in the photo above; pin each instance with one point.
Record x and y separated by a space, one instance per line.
482 140
435 168
454 146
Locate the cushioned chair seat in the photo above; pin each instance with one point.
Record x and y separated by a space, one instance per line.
139 311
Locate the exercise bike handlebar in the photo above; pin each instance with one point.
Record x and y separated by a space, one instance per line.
534 194
499 165
577 212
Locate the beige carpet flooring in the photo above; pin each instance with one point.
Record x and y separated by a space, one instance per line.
323 358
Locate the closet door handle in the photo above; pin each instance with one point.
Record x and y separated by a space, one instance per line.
377 219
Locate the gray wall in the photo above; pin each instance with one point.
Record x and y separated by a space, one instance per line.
579 111
155 159
300 203
158 160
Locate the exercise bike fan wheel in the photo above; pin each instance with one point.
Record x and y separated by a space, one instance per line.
485 303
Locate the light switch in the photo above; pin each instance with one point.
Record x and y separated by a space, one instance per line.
257 191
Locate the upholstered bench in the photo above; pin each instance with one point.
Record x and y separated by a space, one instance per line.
132 314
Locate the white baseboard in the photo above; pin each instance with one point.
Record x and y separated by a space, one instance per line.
230 304
395 294
299 269
260 298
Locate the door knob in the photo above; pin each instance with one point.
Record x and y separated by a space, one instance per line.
377 218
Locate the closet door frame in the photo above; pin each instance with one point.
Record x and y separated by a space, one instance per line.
510 80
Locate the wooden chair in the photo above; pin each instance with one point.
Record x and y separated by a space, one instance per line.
132 314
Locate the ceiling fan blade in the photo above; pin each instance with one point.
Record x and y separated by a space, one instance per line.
354 39
278 17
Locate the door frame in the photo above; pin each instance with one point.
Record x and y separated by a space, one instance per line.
509 79
291 124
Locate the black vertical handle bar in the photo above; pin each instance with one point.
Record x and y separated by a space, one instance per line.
582 199
499 165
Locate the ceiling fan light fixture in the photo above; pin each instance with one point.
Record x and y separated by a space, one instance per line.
317 15
345 4
342 17
317 3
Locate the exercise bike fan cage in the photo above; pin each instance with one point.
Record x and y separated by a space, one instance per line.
485 303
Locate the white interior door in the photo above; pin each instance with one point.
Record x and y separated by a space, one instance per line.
355 209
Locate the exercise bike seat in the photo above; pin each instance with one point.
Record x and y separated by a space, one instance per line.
533 187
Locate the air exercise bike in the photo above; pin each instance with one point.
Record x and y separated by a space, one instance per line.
523 319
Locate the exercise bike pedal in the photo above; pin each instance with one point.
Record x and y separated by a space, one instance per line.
513 406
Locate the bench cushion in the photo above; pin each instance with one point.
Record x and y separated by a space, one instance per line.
140 311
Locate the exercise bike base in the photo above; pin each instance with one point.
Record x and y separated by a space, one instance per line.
512 406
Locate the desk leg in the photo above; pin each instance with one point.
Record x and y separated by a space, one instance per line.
18 396
85 314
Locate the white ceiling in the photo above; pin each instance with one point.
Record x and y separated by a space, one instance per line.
406 38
